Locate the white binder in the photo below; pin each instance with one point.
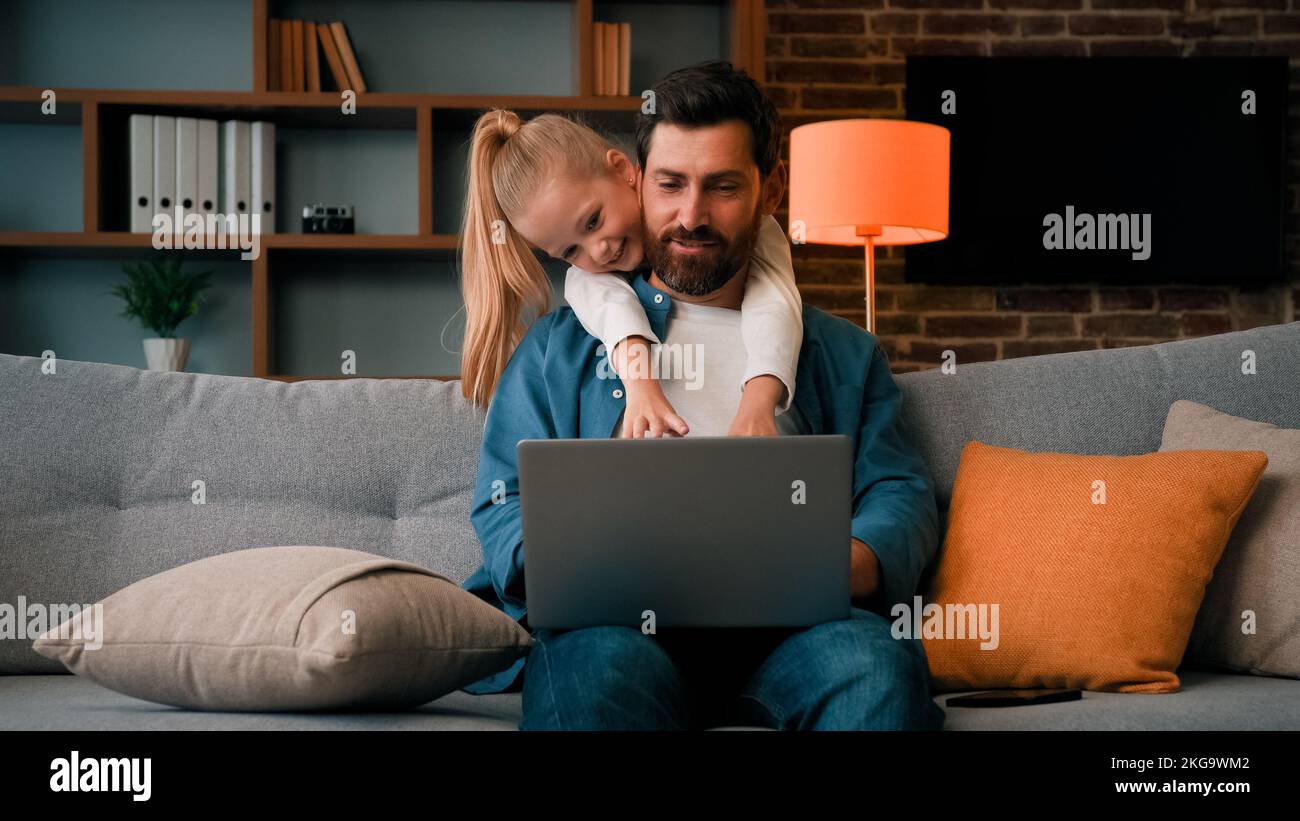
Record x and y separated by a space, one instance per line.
207 203
263 173
141 137
236 169
187 166
164 168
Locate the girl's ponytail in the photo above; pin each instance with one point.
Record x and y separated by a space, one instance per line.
501 278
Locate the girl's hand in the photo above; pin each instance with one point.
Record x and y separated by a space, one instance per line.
756 415
649 413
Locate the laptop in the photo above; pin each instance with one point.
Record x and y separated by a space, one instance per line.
706 531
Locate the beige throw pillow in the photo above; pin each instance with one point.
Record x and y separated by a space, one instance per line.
1256 585
289 628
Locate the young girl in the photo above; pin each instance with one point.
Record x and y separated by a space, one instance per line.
505 287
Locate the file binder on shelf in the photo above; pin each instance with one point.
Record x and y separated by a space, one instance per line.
262 152
164 166
141 141
207 202
187 167
236 168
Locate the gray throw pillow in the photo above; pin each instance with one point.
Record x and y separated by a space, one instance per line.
289 628
1256 585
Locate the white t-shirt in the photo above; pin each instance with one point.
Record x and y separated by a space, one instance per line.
701 368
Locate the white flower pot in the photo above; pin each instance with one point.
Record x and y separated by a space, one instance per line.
166 354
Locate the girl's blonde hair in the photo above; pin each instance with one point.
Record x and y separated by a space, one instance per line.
503 283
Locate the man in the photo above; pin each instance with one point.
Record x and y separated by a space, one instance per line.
710 171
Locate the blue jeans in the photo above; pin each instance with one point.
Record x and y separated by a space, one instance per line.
841 675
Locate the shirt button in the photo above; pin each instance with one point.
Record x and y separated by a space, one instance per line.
618 393
659 298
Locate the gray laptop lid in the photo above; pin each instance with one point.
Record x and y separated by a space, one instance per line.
709 531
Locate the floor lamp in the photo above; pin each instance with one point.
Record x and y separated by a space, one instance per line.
870 183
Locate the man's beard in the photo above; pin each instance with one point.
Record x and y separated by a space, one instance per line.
704 273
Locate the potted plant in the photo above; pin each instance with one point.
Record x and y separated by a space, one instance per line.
160 297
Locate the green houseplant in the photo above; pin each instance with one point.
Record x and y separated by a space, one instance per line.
160 297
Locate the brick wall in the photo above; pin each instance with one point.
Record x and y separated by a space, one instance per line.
845 58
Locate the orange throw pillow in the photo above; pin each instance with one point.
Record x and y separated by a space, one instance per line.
1091 568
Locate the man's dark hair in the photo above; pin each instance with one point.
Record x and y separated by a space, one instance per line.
710 93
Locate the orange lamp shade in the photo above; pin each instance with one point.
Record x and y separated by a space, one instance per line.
884 178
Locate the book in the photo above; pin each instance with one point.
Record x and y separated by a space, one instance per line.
273 55
355 81
624 57
299 73
611 58
313 55
286 56
598 62
332 56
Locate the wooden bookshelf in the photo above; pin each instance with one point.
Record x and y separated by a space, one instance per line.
102 114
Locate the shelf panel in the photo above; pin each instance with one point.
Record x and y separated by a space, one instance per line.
22 104
78 244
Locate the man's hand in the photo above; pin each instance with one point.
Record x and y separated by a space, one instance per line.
756 415
864 573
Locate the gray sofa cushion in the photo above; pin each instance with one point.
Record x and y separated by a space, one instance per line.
1208 701
1107 401
99 464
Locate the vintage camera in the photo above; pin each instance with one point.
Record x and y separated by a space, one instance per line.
328 219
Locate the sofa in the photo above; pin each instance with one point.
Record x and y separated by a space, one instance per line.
97 463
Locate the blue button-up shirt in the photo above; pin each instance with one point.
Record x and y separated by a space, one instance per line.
556 387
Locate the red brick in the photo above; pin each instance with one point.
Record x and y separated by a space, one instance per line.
1239 25
1127 299
828 272
926 299
1062 325
1040 25
1205 324
897 324
780 96
936 4
1282 23
1120 342
936 46
1279 5
1039 48
908 23
1225 48
890 73
818 71
960 23
1134 48
1192 299
775 47
969 325
833 298
1138 5
1013 348
829 4
1245 323
812 98
932 352
1078 300
1256 302
815 23
838 46
1054 5
1087 25
1156 326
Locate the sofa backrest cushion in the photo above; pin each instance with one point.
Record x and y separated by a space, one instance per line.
100 464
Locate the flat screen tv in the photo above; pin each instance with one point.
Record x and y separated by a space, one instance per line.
1114 170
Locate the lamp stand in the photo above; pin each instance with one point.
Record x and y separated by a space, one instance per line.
867 232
